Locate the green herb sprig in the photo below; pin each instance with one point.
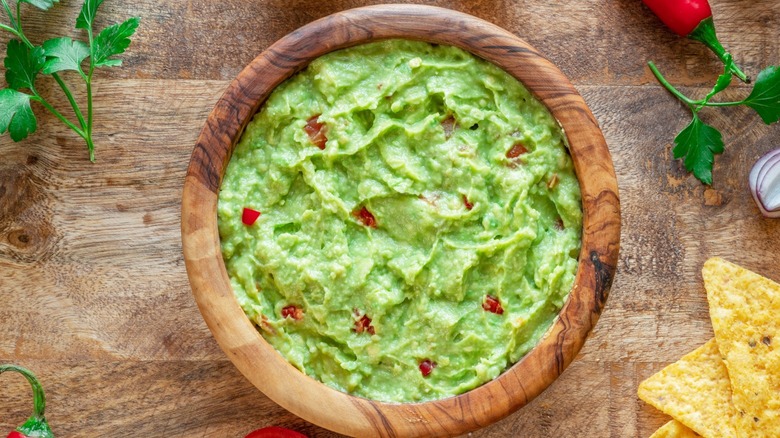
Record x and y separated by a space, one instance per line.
24 61
698 143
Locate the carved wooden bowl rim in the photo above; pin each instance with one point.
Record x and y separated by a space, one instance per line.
312 400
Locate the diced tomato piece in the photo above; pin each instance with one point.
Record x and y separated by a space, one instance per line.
466 202
275 432
316 131
249 216
364 325
426 367
516 150
365 217
293 312
491 304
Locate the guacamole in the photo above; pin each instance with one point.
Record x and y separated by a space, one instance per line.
419 220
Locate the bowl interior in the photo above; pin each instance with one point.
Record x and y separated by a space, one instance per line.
312 400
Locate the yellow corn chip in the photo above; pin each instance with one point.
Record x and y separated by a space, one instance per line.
695 391
745 313
674 429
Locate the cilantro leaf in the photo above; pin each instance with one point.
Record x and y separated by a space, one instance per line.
64 54
765 97
87 15
16 116
698 143
42 4
113 40
22 65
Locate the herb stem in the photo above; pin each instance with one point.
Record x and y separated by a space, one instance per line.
71 99
88 80
10 14
9 29
670 87
37 97
723 103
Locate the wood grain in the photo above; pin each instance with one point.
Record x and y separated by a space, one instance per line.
96 294
260 362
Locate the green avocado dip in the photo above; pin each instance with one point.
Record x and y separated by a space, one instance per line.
419 221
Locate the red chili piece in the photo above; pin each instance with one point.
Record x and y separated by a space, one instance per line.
491 304
275 432
426 367
15 434
516 150
692 19
249 216
365 217
293 312
364 325
466 202
316 131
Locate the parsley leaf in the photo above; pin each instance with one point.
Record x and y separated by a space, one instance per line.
87 15
16 116
723 81
64 54
698 143
765 97
113 40
42 4
22 65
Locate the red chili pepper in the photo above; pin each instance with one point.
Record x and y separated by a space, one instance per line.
364 325
365 217
35 426
426 367
693 19
491 304
293 312
249 216
316 131
466 202
275 432
516 150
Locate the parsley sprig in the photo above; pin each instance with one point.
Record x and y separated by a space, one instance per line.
698 143
24 61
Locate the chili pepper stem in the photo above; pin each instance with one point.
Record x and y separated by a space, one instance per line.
705 33
36 425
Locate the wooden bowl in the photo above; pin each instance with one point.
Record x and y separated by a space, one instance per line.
260 362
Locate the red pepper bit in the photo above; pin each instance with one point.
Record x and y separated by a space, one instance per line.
516 150
249 216
316 131
426 367
293 312
365 217
491 304
468 204
364 325
559 224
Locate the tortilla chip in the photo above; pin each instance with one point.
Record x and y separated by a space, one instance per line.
674 429
745 313
695 391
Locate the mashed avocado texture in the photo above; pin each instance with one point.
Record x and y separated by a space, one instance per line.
420 220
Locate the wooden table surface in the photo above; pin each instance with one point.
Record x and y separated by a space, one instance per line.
94 296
